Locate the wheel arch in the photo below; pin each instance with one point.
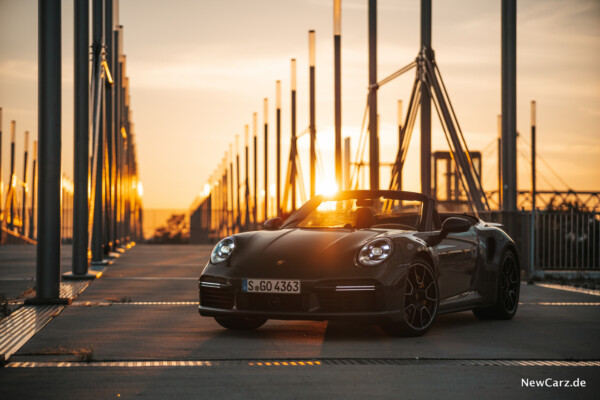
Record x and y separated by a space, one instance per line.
424 254
510 246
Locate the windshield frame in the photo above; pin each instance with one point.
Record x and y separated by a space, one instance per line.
312 204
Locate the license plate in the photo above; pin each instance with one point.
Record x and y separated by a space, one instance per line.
270 286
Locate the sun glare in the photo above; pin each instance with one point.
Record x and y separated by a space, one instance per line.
327 187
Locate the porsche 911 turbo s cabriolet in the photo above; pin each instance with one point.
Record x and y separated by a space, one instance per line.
384 257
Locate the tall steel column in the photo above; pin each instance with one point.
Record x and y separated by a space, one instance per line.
347 161
499 162
373 139
255 181
33 187
25 188
1 179
12 183
278 155
337 88
97 231
400 141
81 139
312 111
426 100
116 73
49 138
266 126
117 101
509 106
120 156
238 216
247 184
231 181
109 238
293 142
533 192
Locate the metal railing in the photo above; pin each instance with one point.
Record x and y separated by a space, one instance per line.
567 241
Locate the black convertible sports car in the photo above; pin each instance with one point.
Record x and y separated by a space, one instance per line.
384 257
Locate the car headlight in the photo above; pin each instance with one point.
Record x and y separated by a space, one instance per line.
222 250
375 252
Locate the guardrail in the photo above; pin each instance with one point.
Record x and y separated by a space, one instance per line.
564 241
567 241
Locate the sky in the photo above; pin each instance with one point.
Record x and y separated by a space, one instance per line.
200 69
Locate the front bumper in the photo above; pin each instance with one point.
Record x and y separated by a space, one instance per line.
347 299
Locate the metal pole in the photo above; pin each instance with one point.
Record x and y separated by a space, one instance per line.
278 165
533 192
499 162
425 100
124 158
434 190
110 133
347 161
81 140
373 139
127 143
237 192
266 123
449 178
97 43
255 182
25 188
337 88
509 109
127 171
33 187
225 197
312 128
400 140
293 143
49 138
231 181
121 143
62 208
117 103
2 217
12 184
247 183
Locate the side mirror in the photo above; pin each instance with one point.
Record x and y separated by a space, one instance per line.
454 225
273 224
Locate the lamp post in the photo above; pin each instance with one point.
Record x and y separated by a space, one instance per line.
337 88
278 166
49 138
293 144
373 139
266 172
312 128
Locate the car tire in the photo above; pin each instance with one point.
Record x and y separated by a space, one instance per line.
421 302
509 284
240 323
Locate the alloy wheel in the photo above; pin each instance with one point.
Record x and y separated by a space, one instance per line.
421 297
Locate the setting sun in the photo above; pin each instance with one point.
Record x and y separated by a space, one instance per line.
327 187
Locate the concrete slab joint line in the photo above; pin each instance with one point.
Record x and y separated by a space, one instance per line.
25 322
20 326
570 288
308 363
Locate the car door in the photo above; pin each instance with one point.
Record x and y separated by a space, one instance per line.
458 259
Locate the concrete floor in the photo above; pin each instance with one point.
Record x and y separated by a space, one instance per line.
117 316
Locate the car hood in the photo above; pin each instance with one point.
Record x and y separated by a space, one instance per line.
299 248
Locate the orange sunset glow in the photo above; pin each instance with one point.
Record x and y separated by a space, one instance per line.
201 69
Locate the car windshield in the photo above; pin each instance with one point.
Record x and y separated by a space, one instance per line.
361 212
